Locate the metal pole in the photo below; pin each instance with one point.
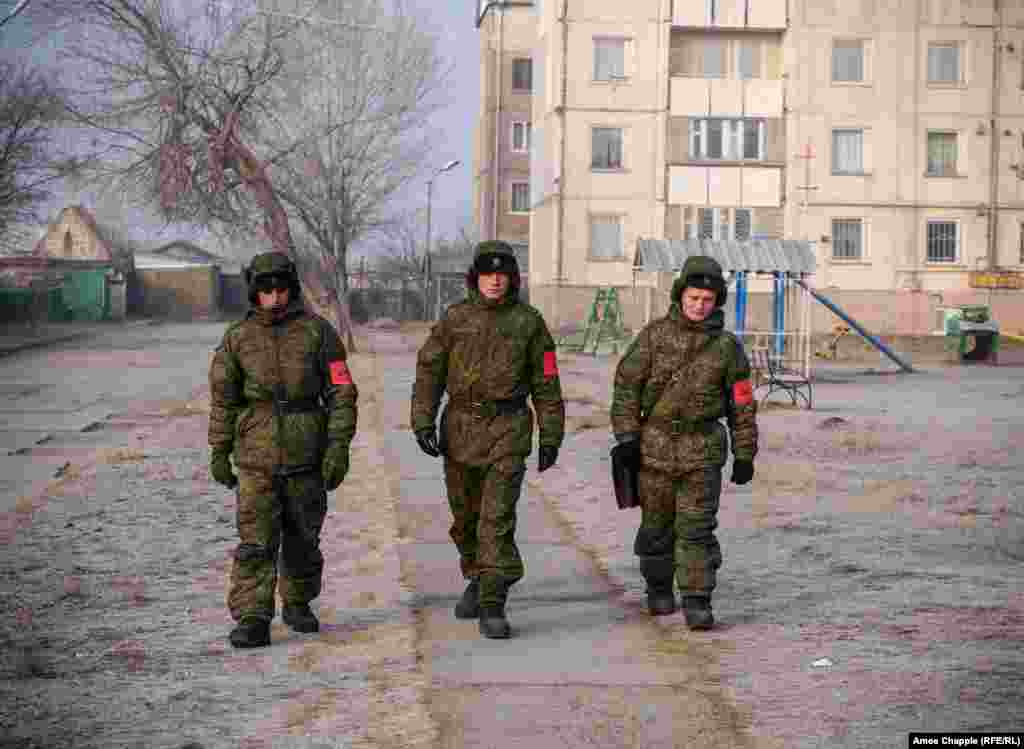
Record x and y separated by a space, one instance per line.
741 303
427 270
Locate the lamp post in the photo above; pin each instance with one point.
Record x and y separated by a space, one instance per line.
427 270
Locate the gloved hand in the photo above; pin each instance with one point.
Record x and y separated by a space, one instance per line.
335 465
546 458
220 468
742 471
426 438
629 448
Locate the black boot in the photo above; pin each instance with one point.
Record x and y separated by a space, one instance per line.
698 612
300 618
659 572
493 623
468 606
251 632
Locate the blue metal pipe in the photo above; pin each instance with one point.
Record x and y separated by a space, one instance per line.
741 302
856 326
779 307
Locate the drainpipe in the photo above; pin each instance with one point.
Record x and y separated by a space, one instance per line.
497 120
993 213
560 245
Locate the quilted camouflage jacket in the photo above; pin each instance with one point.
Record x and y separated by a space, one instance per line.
482 352
297 356
674 400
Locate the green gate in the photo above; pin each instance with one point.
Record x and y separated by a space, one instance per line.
85 295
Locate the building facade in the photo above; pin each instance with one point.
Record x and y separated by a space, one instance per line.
890 134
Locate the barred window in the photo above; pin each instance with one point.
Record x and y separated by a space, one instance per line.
942 154
848 60
520 197
522 74
944 63
743 223
607 148
943 241
847 239
605 237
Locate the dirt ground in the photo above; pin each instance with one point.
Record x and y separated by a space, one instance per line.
872 583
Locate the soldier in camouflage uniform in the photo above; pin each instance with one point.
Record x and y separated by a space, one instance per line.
679 377
284 406
489 352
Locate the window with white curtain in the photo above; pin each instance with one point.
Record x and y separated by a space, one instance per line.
942 153
728 140
847 151
943 241
606 148
610 58
521 137
605 237
944 64
848 60
520 197
847 239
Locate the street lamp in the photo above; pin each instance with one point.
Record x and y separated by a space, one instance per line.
430 192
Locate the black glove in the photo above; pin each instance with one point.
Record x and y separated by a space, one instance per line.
742 471
426 438
629 448
546 458
220 468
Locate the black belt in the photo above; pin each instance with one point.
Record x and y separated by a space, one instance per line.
488 409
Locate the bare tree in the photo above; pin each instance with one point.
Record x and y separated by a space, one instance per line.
361 124
9 10
30 112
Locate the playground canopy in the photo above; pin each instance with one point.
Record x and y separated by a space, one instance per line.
754 256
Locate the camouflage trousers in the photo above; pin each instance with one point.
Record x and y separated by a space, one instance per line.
678 520
278 518
483 503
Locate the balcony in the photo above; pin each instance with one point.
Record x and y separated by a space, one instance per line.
724 97
752 186
730 14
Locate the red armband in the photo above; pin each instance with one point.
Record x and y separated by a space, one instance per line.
339 373
550 365
743 393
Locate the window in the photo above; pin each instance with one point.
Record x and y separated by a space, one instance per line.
520 197
605 237
607 148
727 139
748 60
522 74
942 154
713 58
847 239
944 63
943 241
721 223
848 61
847 151
521 137
609 59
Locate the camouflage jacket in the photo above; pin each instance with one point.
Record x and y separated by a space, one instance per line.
675 401
300 357
482 352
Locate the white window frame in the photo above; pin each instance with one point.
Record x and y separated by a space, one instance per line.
863 254
957 140
836 171
524 127
610 218
524 186
733 138
621 166
625 46
865 62
529 86
723 225
961 60
957 241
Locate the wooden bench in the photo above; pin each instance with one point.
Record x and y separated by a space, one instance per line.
770 372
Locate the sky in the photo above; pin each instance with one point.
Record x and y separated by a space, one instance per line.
452 23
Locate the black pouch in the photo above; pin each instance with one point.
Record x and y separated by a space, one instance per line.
626 475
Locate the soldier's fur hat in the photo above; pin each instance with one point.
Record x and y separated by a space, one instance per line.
701 272
272 265
494 256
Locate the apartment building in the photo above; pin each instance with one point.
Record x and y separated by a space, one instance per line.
890 133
